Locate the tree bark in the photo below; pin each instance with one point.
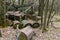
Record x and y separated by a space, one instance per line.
51 10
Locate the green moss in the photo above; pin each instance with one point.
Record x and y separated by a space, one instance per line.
58 30
49 28
44 30
21 37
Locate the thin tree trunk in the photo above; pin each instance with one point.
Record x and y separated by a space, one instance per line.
22 2
50 13
46 12
18 2
13 2
4 12
39 8
42 9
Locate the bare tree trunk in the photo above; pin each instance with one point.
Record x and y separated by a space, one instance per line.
22 2
18 2
4 12
42 9
39 14
46 12
51 10
13 2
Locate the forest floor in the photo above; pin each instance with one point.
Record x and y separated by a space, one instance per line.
53 31
52 34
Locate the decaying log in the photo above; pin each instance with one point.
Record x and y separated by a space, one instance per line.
27 32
